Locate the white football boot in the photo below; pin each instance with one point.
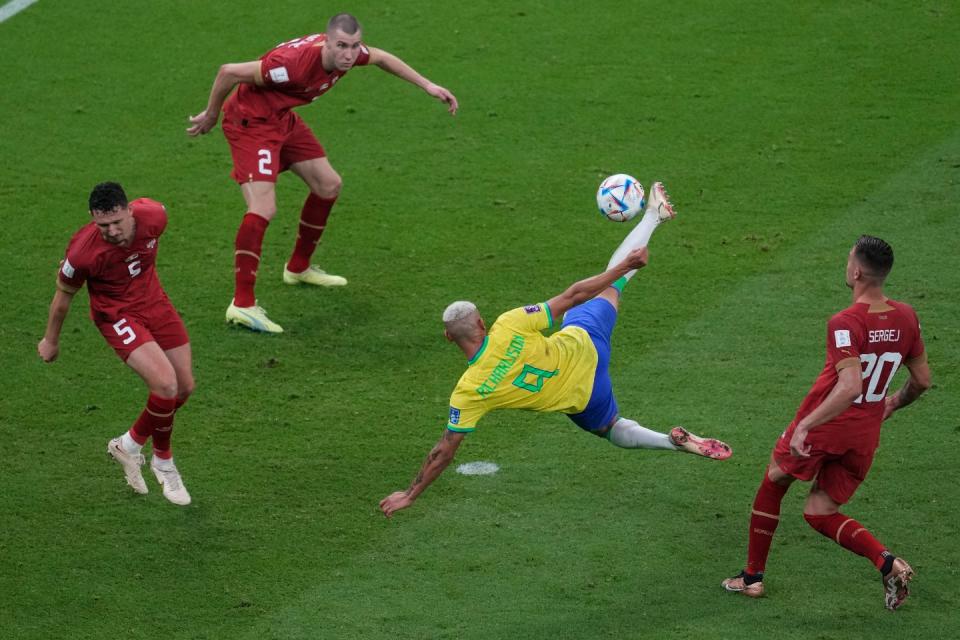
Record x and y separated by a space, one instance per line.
706 447
659 202
169 478
131 463
313 275
253 318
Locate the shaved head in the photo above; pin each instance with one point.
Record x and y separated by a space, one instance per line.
343 22
460 319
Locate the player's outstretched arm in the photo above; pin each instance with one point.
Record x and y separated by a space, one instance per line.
844 392
228 76
49 346
918 382
392 64
580 292
438 459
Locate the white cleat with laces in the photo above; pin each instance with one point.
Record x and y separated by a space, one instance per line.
313 275
170 480
253 318
659 203
131 463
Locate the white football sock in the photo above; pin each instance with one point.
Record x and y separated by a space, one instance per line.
628 434
639 237
128 444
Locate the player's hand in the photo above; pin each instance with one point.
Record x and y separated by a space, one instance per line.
638 258
395 502
890 404
201 123
443 95
48 350
798 444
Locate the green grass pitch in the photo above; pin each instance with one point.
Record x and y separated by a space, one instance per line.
782 129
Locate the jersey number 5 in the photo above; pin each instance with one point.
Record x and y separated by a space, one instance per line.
124 331
874 369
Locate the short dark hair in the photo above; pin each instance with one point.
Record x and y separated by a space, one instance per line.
107 196
344 22
874 254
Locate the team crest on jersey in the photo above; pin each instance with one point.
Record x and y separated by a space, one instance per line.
152 243
533 308
842 338
67 269
279 75
454 415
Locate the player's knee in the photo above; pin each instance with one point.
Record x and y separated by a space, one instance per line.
818 505
164 384
185 389
165 388
265 208
329 187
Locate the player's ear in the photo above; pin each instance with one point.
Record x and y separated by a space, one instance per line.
446 334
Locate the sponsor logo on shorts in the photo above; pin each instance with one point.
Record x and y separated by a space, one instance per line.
152 243
67 269
279 74
533 308
842 338
454 415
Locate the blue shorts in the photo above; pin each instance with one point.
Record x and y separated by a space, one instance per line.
597 317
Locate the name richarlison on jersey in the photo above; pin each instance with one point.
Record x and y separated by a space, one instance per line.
510 357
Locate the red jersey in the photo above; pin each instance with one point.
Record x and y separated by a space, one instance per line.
118 278
881 337
293 75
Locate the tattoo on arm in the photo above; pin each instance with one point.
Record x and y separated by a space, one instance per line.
439 452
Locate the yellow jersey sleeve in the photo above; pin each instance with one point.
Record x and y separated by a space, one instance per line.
466 408
534 317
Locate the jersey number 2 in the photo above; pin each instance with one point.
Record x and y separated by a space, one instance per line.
874 370
265 158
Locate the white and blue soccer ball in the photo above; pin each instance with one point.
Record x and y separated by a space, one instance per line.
620 197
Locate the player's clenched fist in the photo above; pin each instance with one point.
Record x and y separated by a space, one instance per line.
48 350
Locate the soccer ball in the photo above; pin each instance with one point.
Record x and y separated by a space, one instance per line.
620 197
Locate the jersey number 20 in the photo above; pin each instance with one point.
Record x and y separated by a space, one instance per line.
878 373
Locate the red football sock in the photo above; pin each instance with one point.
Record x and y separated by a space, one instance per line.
763 523
246 258
313 220
849 534
157 415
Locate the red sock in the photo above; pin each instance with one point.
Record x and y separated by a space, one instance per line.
849 534
246 258
313 220
763 523
157 415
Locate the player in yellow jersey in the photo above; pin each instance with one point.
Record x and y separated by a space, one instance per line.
514 366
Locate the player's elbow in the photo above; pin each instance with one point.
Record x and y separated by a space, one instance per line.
229 73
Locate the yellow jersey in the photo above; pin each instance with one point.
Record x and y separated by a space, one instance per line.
517 367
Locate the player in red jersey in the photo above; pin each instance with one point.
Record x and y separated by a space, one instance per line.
266 138
115 255
836 431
